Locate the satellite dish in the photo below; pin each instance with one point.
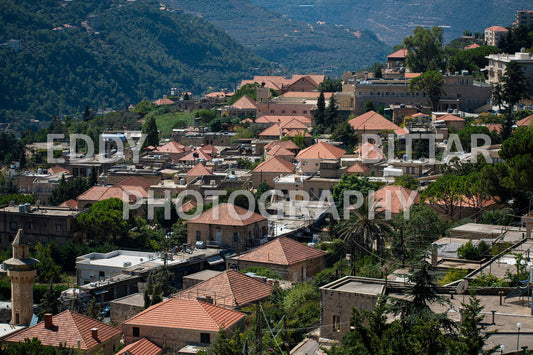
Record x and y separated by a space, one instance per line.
462 288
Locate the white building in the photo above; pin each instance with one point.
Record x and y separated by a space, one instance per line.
498 63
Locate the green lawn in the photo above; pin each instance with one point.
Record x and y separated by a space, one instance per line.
166 122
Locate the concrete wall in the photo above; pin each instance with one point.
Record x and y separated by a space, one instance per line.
248 235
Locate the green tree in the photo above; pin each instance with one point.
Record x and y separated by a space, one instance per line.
407 181
47 269
94 310
369 106
87 113
513 89
67 190
363 232
222 345
446 192
35 347
430 84
470 251
346 134
331 114
517 152
50 302
330 85
104 220
152 134
319 114
424 49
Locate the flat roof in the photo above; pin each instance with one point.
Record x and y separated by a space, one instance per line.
43 211
357 285
202 275
136 299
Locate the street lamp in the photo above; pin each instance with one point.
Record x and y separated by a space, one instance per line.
518 325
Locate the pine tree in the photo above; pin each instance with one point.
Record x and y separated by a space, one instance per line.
49 302
319 114
514 89
152 135
94 310
331 114
93 178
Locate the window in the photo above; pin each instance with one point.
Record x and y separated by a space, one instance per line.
58 227
13 226
198 236
336 323
205 338
136 332
101 274
236 237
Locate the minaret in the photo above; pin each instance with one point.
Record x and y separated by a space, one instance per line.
21 271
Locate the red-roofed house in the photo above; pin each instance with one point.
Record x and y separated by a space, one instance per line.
358 169
371 123
195 156
288 144
281 84
173 149
57 170
396 59
230 289
176 323
452 121
369 153
309 158
70 204
72 330
395 198
270 169
472 46
279 151
198 170
525 122
494 34
163 101
141 347
130 185
227 225
243 107
293 261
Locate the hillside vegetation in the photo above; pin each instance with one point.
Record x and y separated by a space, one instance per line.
294 46
107 54
392 20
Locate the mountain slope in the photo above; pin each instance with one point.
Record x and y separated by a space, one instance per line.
108 54
392 20
297 46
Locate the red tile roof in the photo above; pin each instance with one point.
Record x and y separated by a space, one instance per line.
186 314
57 169
195 155
279 150
495 127
313 95
209 149
171 147
134 181
163 101
244 103
296 132
229 289
372 121
282 251
272 131
99 193
472 46
395 198
226 214
286 126
70 203
358 168
321 150
450 118
141 347
528 121
68 327
401 53
288 144
199 170
370 151
411 75
275 165
497 29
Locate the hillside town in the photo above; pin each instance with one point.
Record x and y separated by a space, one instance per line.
386 211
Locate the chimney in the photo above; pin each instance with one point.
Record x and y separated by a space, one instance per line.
94 333
48 320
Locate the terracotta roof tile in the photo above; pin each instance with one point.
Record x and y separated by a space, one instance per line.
243 103
321 150
69 203
279 150
187 314
195 155
57 169
400 53
472 46
450 118
275 165
68 327
134 181
358 168
223 214
398 196
370 151
163 101
282 119
229 289
497 29
313 95
199 170
528 121
288 144
209 149
296 132
372 121
171 147
141 347
282 251
411 75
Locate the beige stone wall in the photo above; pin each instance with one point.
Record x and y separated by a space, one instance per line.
258 178
336 311
170 339
294 273
121 312
247 233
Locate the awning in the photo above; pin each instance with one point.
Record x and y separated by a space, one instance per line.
215 260
100 292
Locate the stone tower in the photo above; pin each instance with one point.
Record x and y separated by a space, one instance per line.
21 271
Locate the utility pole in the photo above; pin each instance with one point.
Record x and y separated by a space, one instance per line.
258 332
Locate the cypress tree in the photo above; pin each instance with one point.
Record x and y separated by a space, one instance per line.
152 135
